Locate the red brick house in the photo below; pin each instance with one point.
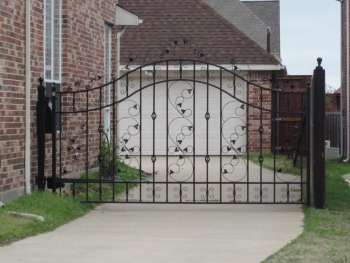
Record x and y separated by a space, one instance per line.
63 41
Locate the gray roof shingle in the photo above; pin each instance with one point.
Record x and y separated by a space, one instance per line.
242 17
269 12
186 29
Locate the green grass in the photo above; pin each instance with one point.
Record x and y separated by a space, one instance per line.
55 209
326 236
104 192
283 163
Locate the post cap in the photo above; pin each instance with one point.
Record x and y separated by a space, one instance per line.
319 61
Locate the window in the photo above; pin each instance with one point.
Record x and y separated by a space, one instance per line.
108 77
52 41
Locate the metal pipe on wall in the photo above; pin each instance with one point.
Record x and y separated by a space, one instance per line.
347 80
28 86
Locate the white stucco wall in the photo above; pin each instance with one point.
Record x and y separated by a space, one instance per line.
180 125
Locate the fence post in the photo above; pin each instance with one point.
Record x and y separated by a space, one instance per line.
41 117
318 135
54 131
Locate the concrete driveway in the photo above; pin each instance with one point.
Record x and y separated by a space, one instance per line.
164 234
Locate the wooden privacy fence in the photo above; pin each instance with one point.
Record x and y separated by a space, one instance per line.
290 103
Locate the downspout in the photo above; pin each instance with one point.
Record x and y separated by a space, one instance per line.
28 85
342 150
119 35
347 83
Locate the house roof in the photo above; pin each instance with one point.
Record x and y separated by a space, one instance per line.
269 12
186 29
238 14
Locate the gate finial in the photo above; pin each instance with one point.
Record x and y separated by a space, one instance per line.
319 61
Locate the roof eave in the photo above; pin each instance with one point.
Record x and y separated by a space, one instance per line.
125 18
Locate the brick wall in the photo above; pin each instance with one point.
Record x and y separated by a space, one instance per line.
83 25
260 99
83 29
12 59
83 60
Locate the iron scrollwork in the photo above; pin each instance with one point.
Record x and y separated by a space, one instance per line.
180 130
127 139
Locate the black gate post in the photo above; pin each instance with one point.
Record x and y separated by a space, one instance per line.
54 131
41 117
318 135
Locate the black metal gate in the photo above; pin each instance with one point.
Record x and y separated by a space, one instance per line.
173 131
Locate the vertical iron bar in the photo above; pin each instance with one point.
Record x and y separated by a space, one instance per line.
154 128
127 85
60 138
54 132
275 110
234 193
301 173
261 143
167 132
41 117
114 139
180 69
87 146
140 130
302 146
221 127
308 145
73 191
247 138
194 133
207 135
274 163
100 145
234 84
180 193
118 94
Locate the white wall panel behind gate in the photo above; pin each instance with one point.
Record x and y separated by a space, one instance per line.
183 121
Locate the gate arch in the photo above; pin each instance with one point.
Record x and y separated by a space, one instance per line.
181 131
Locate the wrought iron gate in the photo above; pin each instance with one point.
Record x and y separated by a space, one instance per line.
181 131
